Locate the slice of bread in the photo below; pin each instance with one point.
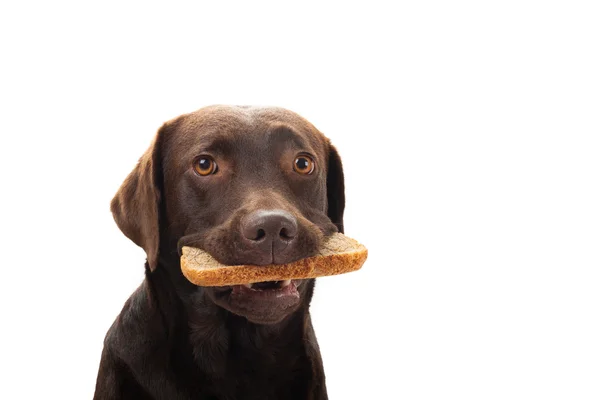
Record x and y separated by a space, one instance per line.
338 254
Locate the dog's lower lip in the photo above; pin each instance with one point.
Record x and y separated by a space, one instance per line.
273 285
264 290
222 290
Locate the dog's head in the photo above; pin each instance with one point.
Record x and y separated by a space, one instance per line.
249 186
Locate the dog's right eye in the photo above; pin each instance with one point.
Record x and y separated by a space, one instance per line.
205 165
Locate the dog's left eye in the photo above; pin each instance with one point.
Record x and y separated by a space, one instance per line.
304 164
205 165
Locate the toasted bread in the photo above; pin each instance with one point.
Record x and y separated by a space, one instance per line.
338 254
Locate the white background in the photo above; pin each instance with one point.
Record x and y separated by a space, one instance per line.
469 134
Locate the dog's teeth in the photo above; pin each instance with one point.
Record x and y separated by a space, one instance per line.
285 283
248 285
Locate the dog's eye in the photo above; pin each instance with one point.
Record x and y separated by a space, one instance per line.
205 165
303 164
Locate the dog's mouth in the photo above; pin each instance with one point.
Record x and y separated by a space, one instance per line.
261 302
276 289
280 291
272 285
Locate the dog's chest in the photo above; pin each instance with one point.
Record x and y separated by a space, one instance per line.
266 373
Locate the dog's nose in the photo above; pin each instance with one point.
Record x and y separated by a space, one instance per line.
269 230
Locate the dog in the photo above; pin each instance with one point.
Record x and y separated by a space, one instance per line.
249 185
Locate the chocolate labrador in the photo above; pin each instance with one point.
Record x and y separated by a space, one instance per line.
250 186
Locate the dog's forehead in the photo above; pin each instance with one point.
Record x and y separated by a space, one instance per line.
235 122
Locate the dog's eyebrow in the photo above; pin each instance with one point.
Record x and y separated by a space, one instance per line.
285 133
220 145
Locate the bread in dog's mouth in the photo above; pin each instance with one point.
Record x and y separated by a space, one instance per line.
338 254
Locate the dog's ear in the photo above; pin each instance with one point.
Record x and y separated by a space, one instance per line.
336 199
136 206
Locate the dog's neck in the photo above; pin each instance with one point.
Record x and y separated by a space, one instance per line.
218 337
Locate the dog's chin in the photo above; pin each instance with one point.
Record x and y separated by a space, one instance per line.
262 303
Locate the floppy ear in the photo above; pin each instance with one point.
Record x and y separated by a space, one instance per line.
336 199
136 206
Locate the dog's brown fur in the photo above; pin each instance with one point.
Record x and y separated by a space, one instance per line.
174 340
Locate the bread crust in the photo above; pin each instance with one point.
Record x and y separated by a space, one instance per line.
338 255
